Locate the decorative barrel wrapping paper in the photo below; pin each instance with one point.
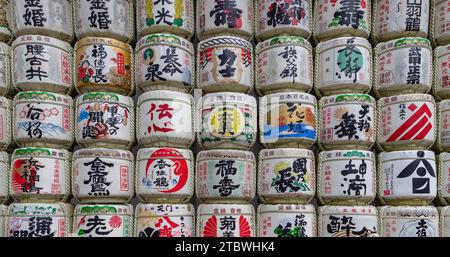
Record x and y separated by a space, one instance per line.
6 121
165 61
225 17
225 220
443 135
288 120
225 64
284 64
174 17
5 32
39 220
40 175
104 64
441 85
105 120
342 18
444 221
407 177
51 18
347 121
103 220
165 175
443 180
403 66
346 177
286 220
348 221
400 18
227 121
406 122
165 119
440 27
3 213
165 220
285 17
286 175
5 66
4 178
343 65
409 221
43 119
42 63
104 18
101 175
225 176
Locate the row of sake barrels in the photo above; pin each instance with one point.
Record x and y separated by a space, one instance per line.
283 175
225 120
283 64
324 19
221 220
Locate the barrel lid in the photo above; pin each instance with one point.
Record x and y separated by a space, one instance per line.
226 153
347 98
342 41
165 95
161 39
222 41
105 97
39 39
229 97
420 211
54 209
290 96
225 209
42 96
152 210
286 208
404 42
346 154
43 152
410 154
93 209
281 41
409 97
102 40
355 210
103 152
284 153
145 153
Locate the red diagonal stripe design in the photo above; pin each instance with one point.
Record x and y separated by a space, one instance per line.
424 131
408 123
412 131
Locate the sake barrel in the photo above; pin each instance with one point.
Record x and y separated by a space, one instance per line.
51 18
225 63
111 19
4 177
348 221
227 121
225 220
104 64
407 177
441 85
225 17
174 17
6 121
342 18
440 21
3 212
286 220
41 63
105 120
284 64
225 176
276 18
165 175
400 18
101 175
43 119
444 230
403 66
5 32
165 118
5 65
165 220
346 177
406 122
443 179
409 221
164 62
286 175
343 65
40 175
103 220
39 220
443 118
288 120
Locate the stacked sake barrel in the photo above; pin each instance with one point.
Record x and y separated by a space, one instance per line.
440 36
42 111
287 119
403 76
165 75
227 119
346 174
103 168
